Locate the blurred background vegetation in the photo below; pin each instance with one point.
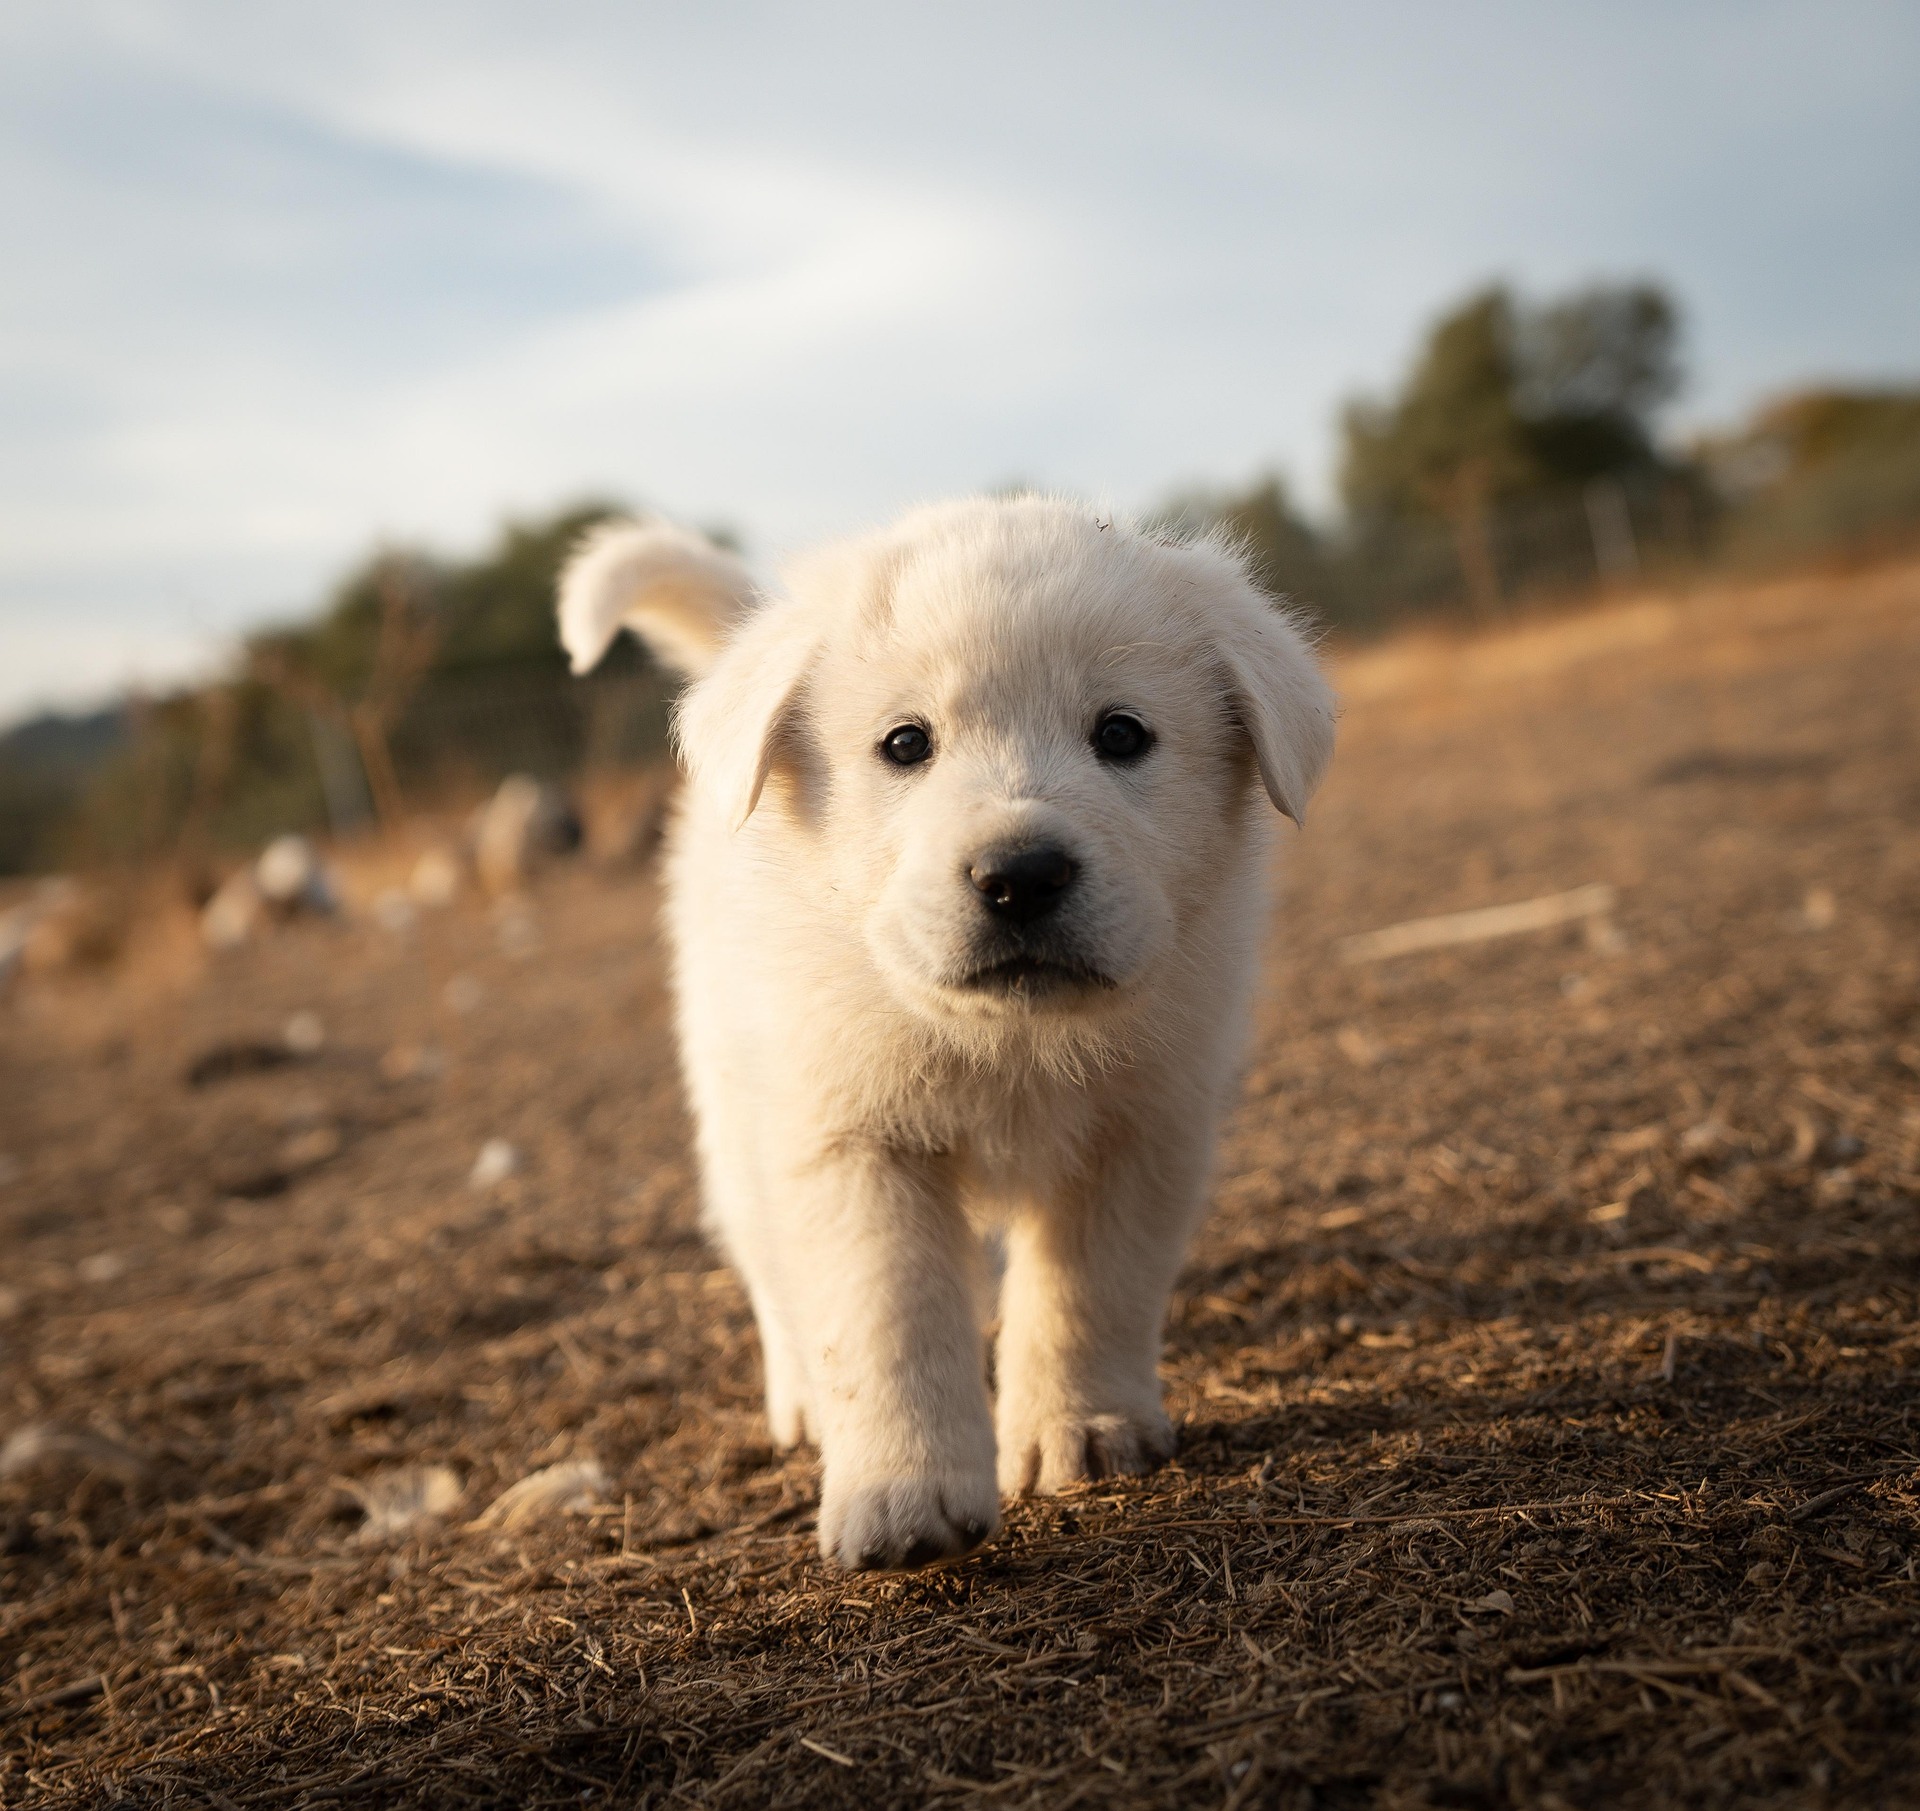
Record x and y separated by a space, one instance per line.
1519 461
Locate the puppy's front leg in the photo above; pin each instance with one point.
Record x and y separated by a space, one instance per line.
1085 1295
877 1270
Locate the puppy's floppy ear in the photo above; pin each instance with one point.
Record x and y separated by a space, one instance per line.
1275 690
733 724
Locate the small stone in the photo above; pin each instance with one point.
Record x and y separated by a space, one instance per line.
67 925
304 1033
101 1267
516 928
16 927
400 1501
435 880
229 918
307 1150
570 1488
497 1161
290 876
1708 1136
299 1111
522 827
1362 1051
394 912
1819 909
1604 936
413 1062
462 994
45 1446
1835 1188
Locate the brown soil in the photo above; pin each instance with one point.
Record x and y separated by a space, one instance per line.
1547 1372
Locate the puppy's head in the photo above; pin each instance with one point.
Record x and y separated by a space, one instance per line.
1015 745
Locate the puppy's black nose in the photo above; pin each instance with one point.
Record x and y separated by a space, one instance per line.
1022 884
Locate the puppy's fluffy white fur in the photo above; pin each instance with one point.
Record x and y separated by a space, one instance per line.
887 1072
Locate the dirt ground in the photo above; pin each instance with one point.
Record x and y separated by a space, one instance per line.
1547 1372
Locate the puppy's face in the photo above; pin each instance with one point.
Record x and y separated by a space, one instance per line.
1020 747
1026 790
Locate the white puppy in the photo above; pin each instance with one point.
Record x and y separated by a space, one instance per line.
965 899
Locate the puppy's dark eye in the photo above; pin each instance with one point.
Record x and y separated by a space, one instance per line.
906 746
1118 737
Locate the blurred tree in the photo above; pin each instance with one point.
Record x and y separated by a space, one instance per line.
1505 402
46 765
1456 411
260 750
491 612
1820 471
1451 442
499 610
357 670
405 619
1283 551
1592 371
1814 428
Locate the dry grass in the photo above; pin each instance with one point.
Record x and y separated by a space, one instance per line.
1547 1372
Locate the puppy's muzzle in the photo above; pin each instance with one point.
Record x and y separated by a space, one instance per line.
1019 885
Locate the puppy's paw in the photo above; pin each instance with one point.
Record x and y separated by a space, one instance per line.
894 1524
1042 1454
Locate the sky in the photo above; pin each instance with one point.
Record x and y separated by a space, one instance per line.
283 283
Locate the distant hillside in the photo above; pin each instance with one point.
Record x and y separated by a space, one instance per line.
46 765
55 743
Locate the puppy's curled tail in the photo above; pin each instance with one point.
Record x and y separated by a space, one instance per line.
673 588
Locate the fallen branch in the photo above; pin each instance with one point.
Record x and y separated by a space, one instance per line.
81 1691
1630 1499
1480 926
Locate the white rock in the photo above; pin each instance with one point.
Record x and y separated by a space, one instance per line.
497 1161
565 1489
1710 1135
394 911
413 1062
304 1033
44 1445
435 880
229 918
63 924
516 927
401 1500
16 926
291 878
521 826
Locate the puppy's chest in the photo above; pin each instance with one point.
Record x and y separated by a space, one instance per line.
1010 1141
